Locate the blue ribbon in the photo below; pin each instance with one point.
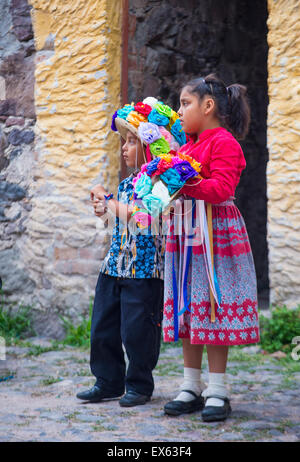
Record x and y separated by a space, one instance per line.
186 272
217 287
175 298
9 377
187 300
187 265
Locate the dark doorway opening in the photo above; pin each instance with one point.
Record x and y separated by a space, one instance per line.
170 42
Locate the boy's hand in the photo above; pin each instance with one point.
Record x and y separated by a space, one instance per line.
99 208
98 192
98 199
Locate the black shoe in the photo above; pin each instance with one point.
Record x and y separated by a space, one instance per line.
177 407
133 399
96 394
215 413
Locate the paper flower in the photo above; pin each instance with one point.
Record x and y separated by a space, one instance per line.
143 108
143 185
166 134
143 168
148 132
168 158
163 110
174 146
196 165
178 133
134 118
176 160
160 190
185 170
153 204
143 218
113 125
136 178
162 166
172 179
173 118
152 166
159 147
124 111
151 101
156 118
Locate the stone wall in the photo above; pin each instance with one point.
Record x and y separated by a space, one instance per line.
173 41
17 124
53 262
283 173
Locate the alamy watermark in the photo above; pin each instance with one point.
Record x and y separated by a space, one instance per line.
296 351
177 212
2 349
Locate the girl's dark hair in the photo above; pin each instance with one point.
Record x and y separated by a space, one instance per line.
233 109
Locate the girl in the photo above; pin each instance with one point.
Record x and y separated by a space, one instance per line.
213 116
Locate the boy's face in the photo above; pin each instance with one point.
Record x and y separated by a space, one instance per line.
132 151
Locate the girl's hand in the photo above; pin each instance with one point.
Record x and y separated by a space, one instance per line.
98 192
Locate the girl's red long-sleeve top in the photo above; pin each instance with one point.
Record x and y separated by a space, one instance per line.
222 162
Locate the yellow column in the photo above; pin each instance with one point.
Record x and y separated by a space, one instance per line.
283 172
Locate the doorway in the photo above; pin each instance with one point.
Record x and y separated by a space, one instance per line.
170 42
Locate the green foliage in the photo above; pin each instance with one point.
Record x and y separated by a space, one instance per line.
36 350
78 335
278 331
50 380
15 324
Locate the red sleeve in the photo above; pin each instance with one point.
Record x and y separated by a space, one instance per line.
226 164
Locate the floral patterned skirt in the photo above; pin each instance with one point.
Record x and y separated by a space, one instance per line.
236 316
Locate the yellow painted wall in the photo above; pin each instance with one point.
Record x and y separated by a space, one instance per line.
78 86
77 89
283 172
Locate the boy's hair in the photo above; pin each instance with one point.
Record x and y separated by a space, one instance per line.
233 108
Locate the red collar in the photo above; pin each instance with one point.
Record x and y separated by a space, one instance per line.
204 135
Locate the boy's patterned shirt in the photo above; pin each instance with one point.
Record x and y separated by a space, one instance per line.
133 255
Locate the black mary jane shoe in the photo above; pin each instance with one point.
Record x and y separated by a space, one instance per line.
132 398
216 413
177 407
96 394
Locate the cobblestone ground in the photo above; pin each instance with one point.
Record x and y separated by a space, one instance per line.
39 402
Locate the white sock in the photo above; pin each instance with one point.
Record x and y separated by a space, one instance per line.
217 387
191 381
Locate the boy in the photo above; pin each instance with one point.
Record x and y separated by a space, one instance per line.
128 303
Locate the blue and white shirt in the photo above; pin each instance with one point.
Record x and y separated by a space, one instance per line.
133 255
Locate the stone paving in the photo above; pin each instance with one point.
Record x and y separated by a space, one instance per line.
39 402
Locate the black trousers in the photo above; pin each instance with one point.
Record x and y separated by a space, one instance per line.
127 311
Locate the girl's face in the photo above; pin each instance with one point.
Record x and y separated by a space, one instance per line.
132 151
195 114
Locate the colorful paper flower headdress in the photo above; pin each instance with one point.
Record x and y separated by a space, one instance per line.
152 122
161 180
164 174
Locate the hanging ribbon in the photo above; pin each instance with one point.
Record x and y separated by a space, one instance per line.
175 298
205 237
189 218
215 294
211 245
